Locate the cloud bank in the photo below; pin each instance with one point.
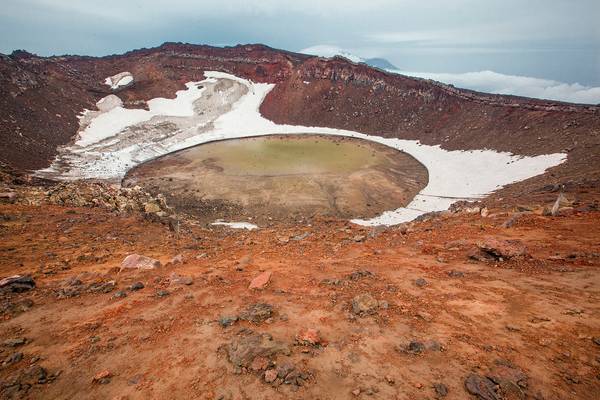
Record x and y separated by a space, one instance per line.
494 82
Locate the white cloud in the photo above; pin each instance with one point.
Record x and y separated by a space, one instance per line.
494 82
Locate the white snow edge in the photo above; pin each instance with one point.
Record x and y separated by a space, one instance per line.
237 225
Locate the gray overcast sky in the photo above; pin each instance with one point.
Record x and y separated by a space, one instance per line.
550 39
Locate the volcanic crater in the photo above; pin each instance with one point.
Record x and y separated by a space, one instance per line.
283 177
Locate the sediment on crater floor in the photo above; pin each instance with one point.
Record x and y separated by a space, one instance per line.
282 177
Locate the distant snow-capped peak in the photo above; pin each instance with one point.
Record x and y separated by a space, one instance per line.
324 50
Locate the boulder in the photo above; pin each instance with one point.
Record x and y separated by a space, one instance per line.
242 351
136 261
502 249
17 283
109 102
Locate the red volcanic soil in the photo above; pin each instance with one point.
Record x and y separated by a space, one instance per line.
397 313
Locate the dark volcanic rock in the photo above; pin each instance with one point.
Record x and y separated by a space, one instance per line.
420 282
364 304
441 390
257 313
17 283
227 321
482 387
356 275
242 351
415 347
102 287
136 286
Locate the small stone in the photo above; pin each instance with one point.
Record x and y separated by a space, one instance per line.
285 369
270 375
359 238
455 274
261 281
259 364
331 282
415 347
481 387
596 340
383 304
257 313
15 342
544 342
425 316
13 358
227 321
433 345
441 390
119 294
151 207
176 279
513 328
178 259
162 293
364 304
356 392
9 197
309 336
136 286
420 282
390 380
37 374
102 377
102 287
363 273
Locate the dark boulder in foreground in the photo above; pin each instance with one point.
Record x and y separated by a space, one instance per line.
17 283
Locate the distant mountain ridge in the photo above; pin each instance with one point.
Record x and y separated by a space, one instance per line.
380 63
332 51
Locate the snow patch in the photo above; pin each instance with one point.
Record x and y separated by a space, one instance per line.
117 118
119 80
236 225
